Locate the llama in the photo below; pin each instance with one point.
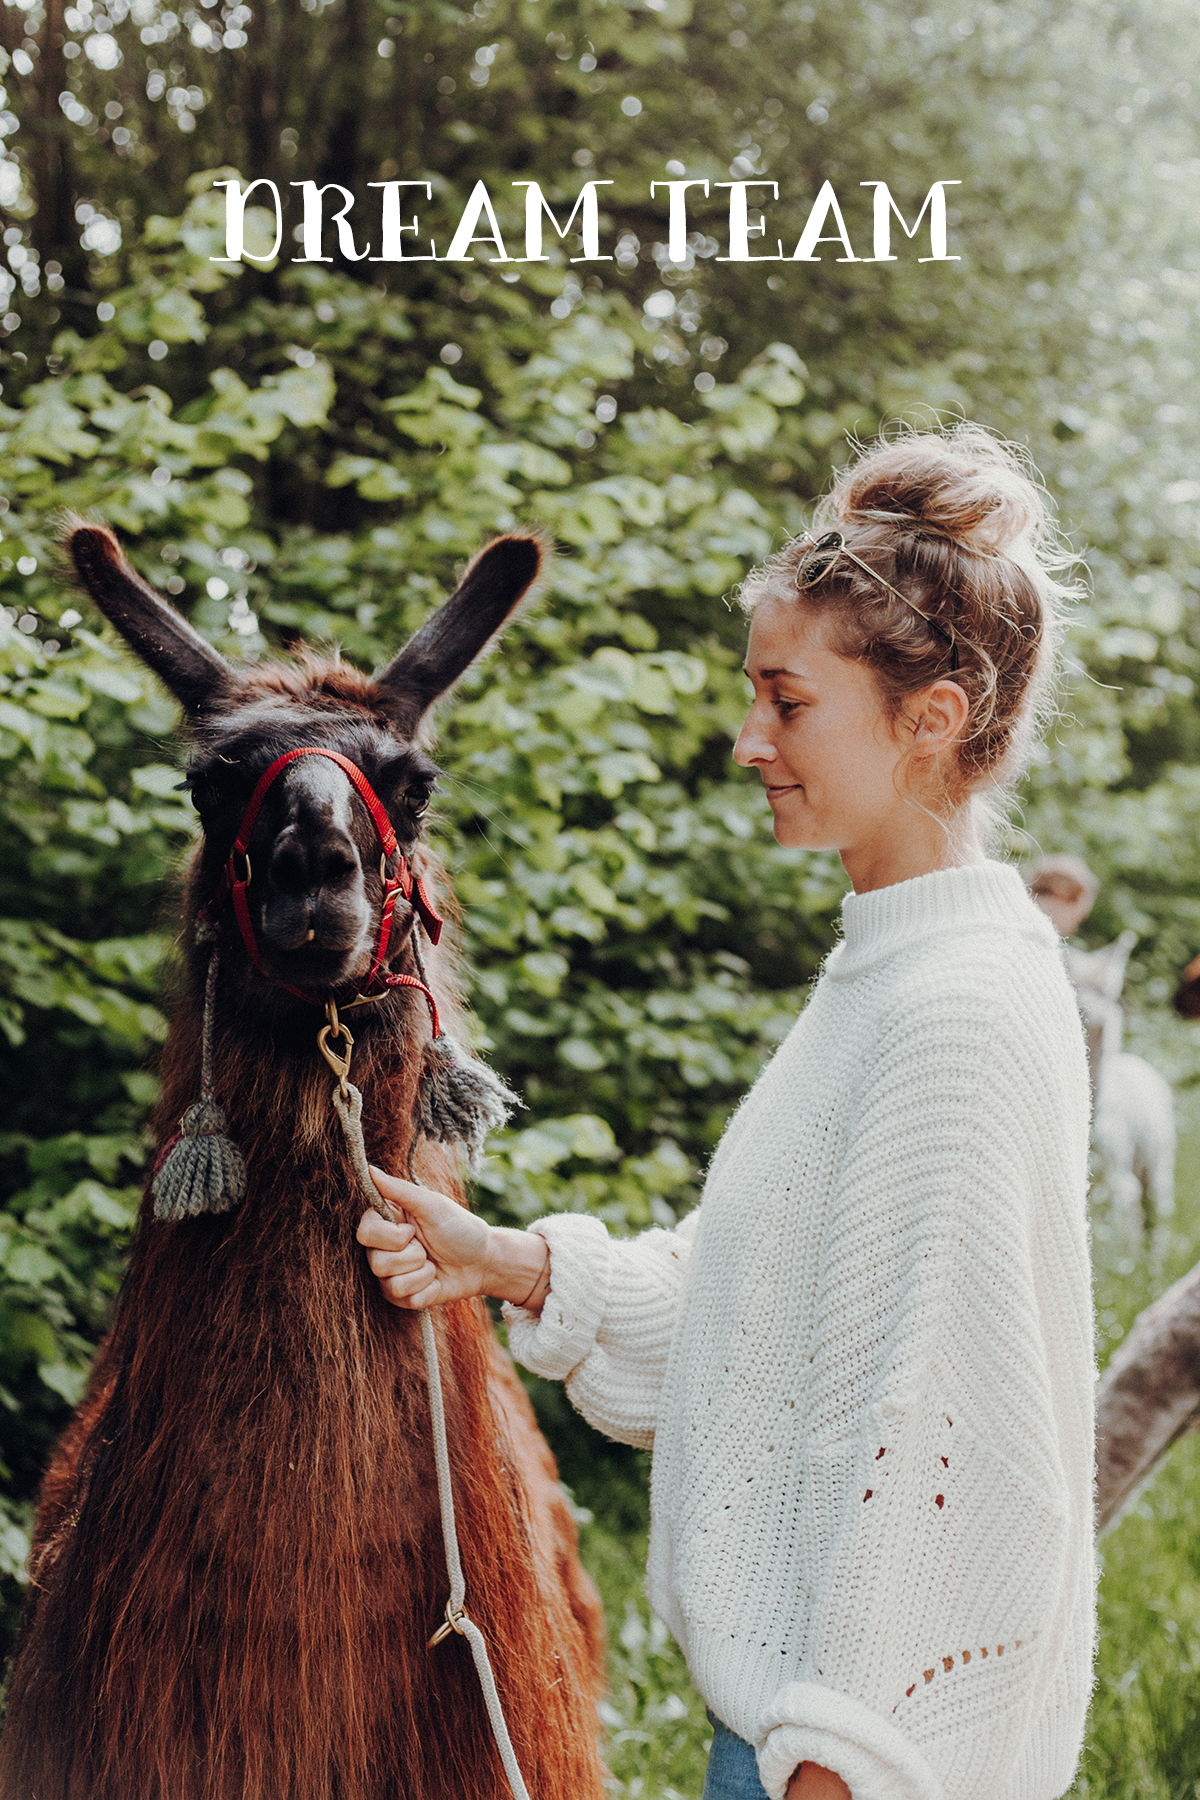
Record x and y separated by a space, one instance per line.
1133 1114
238 1565
1133 1120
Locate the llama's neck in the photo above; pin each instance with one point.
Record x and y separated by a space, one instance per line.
273 1083
262 1324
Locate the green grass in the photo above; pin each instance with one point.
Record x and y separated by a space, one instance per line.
1144 1734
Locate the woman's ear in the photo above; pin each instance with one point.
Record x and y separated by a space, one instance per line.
936 717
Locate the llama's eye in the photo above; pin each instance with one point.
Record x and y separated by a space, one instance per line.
206 798
417 800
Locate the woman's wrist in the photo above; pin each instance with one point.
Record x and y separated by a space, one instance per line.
517 1267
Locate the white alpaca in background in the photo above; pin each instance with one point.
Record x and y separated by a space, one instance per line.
1133 1116
1133 1119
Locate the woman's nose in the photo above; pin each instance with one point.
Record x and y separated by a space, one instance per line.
753 745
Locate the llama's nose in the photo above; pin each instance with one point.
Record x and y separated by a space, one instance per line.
304 865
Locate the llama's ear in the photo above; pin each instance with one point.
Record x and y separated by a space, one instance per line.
447 645
198 676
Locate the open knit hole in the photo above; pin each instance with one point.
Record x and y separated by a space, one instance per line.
948 1664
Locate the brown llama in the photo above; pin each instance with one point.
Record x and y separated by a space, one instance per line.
238 1561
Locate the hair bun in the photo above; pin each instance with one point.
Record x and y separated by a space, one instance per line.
964 485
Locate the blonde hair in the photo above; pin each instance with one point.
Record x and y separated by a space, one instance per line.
958 522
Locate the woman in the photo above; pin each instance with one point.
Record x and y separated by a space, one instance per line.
864 1362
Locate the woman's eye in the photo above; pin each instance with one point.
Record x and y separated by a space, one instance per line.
785 708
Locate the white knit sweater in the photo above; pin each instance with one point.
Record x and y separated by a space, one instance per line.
865 1366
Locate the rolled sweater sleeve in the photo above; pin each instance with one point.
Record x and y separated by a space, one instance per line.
947 1443
606 1327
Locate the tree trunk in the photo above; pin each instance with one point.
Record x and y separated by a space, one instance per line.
53 227
1149 1397
344 135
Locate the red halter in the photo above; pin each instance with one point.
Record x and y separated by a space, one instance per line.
404 881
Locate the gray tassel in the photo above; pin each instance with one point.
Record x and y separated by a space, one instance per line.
459 1099
203 1169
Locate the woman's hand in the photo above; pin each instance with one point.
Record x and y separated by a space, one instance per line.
812 1782
443 1252
439 1254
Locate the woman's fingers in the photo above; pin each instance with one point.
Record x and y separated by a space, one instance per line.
425 1205
378 1233
413 1291
385 1263
397 1259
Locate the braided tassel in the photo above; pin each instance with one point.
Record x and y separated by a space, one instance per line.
201 1169
459 1099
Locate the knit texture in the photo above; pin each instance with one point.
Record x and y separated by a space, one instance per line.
865 1366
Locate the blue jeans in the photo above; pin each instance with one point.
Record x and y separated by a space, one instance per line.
732 1768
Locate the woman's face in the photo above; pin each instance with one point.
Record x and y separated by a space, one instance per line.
817 734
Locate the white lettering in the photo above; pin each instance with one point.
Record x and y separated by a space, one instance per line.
479 202
824 204
393 250
536 204
740 229
677 217
235 221
310 230
885 206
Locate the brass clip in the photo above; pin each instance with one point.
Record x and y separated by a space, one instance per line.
453 1623
338 1029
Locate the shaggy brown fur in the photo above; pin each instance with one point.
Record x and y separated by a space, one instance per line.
1187 994
238 1560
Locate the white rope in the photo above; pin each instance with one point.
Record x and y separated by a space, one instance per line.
347 1101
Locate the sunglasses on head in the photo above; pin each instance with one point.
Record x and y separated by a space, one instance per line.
822 556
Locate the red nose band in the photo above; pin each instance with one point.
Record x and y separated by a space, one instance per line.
233 885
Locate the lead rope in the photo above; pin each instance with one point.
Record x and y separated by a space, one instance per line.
347 1101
